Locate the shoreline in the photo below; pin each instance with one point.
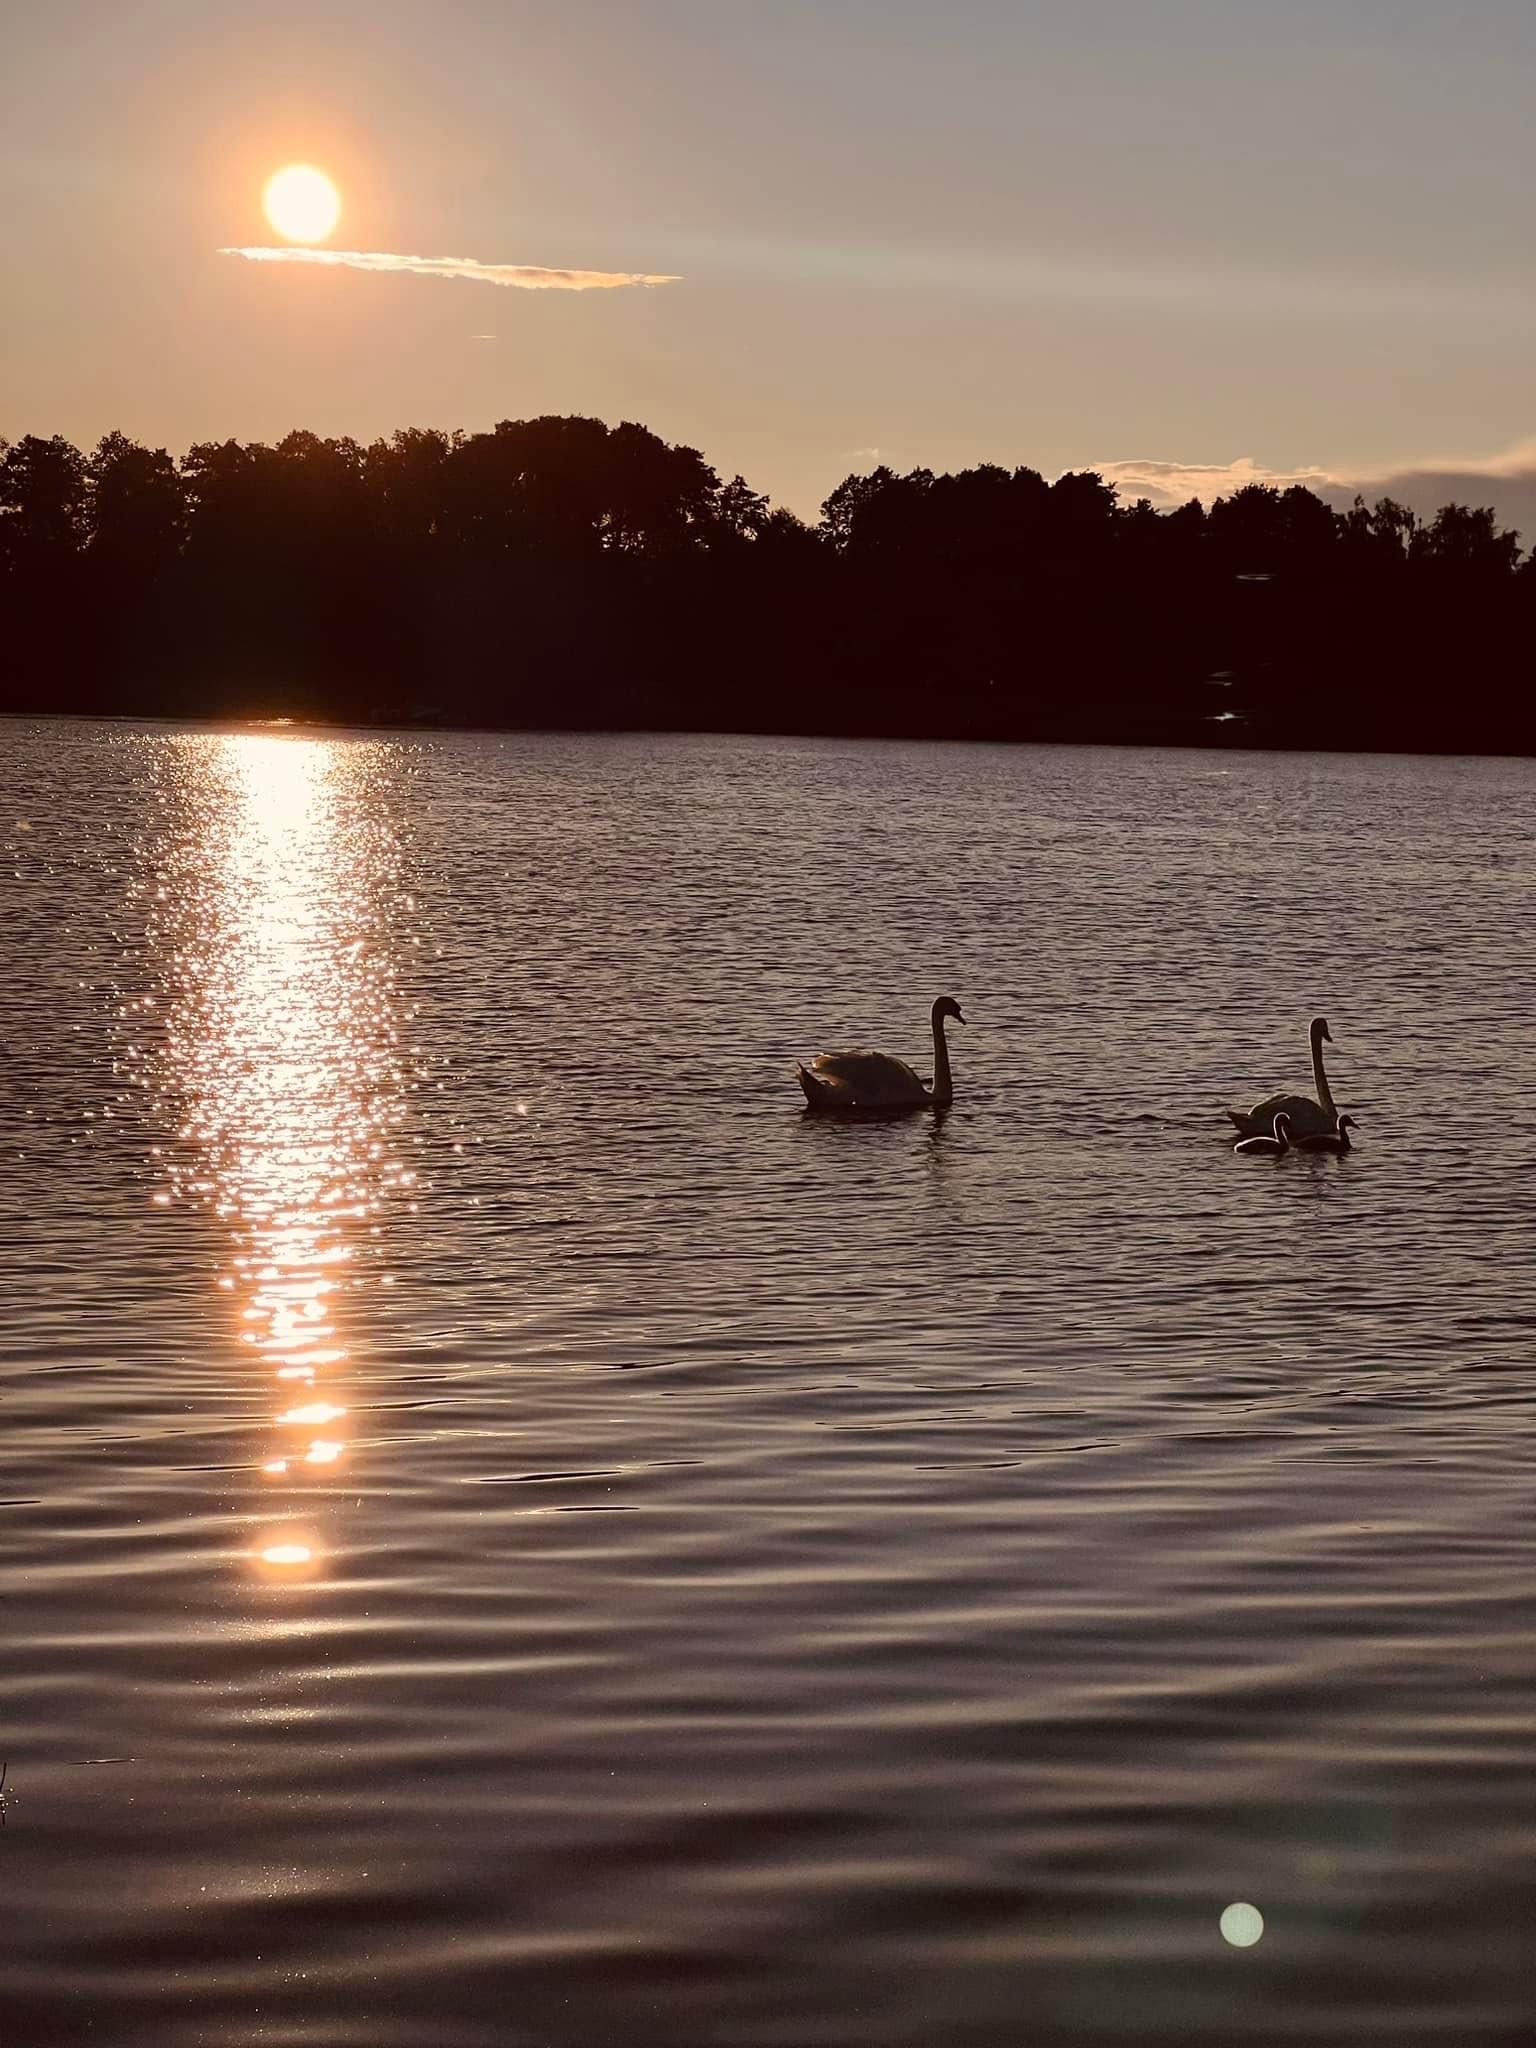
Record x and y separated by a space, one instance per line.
1190 742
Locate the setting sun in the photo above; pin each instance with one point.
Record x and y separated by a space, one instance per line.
301 203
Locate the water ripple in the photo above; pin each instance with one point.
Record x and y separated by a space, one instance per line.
541 1544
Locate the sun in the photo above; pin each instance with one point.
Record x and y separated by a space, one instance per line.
302 203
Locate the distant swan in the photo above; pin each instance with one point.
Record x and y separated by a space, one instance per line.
1274 1147
1336 1140
844 1083
1309 1119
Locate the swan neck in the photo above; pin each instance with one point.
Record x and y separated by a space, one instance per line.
943 1086
1320 1079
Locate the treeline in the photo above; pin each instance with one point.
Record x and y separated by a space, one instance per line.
559 572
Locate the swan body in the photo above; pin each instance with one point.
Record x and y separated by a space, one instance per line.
1308 1119
1272 1146
848 1083
1336 1140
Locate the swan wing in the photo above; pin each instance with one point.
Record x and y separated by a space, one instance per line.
1308 1118
868 1080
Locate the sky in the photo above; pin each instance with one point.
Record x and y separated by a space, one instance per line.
1183 241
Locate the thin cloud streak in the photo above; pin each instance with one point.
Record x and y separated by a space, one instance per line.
527 277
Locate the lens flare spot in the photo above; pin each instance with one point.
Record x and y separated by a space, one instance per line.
1242 1924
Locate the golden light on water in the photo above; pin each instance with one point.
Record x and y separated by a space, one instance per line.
301 203
316 1414
283 1059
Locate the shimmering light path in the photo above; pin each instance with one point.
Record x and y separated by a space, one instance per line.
282 1054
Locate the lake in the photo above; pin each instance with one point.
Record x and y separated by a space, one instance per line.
511 1533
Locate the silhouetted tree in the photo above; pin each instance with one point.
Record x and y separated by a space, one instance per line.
43 501
135 506
1463 539
562 571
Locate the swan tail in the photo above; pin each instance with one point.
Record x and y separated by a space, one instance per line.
815 1092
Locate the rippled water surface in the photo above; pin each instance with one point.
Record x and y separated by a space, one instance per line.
512 1534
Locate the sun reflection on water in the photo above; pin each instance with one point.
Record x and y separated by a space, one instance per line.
284 1052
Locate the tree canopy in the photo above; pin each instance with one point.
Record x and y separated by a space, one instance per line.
559 571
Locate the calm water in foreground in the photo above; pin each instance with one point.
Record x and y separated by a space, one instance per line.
511 1534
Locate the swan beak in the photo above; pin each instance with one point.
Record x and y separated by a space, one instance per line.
959 1019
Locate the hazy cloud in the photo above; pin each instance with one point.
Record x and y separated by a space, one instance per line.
1507 482
1175 483
528 277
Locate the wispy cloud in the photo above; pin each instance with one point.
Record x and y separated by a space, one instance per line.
1175 483
1506 481
527 277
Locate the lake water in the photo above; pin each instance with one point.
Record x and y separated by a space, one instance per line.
511 1533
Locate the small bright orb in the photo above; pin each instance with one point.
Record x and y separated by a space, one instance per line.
1242 1925
302 203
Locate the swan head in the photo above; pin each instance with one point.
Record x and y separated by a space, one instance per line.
946 1006
1320 1031
1346 1123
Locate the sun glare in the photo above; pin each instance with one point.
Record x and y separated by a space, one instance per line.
302 203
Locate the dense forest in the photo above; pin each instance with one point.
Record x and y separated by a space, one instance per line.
559 572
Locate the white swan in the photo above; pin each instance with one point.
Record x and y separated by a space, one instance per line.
1270 1146
1336 1140
1308 1119
844 1083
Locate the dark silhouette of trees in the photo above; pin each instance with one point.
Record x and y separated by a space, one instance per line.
135 507
559 571
43 502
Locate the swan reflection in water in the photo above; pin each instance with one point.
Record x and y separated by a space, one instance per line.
283 1053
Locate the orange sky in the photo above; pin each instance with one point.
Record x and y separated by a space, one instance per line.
1058 234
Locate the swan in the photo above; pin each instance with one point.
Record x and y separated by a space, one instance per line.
1309 1119
847 1082
1274 1147
1336 1140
